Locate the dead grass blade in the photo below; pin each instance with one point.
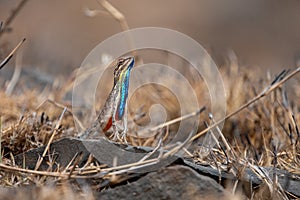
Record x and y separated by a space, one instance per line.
12 16
11 54
115 13
119 16
282 78
166 124
50 140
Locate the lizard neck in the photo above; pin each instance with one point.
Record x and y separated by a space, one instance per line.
114 107
121 101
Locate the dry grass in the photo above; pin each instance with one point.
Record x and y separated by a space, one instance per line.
266 133
261 133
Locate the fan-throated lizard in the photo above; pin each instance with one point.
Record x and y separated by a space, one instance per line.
114 112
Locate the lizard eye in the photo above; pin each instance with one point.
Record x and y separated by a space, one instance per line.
121 62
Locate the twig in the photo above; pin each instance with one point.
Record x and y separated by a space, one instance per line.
11 54
181 118
179 147
265 92
115 13
12 16
71 162
43 173
50 140
120 18
92 13
152 152
225 142
76 161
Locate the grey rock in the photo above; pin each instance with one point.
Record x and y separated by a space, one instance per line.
175 182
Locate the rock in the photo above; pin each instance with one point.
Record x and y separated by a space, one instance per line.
288 181
64 150
175 182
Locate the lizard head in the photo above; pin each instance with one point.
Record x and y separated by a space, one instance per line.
123 66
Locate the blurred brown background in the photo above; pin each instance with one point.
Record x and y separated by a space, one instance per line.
59 34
